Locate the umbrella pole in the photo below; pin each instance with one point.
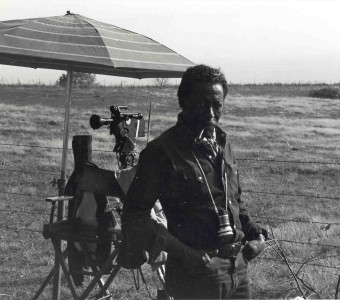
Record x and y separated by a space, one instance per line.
62 180
149 123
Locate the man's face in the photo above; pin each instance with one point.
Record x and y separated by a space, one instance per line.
204 106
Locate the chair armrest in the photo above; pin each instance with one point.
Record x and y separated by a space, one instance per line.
59 198
54 200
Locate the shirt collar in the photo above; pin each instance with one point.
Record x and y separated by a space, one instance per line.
185 134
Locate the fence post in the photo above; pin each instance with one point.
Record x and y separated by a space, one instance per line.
82 150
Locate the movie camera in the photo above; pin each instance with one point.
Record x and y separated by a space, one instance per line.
125 127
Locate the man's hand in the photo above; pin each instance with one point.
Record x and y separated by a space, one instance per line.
131 259
254 248
194 260
138 233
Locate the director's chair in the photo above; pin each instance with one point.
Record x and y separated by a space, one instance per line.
93 236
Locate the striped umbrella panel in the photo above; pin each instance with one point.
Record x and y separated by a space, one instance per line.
90 45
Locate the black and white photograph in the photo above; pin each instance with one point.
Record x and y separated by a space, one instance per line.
169 149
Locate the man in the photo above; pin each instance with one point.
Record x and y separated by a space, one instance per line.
190 168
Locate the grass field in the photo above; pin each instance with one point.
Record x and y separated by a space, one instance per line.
287 146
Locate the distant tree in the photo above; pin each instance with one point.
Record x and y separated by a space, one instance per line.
62 80
82 80
328 92
161 82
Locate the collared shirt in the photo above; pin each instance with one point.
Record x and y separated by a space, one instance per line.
167 170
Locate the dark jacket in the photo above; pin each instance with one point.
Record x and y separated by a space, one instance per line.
167 171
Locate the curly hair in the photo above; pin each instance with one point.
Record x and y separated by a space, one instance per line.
199 74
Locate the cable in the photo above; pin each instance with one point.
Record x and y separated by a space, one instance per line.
25 171
47 147
32 146
244 191
300 263
21 229
265 258
254 216
291 195
296 221
24 211
290 161
97 150
238 159
305 243
23 194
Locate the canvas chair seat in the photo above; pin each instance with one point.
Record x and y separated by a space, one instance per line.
74 231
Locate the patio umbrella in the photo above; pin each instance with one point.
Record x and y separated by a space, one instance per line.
91 46
76 43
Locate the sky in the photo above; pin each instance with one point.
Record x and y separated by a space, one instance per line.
251 41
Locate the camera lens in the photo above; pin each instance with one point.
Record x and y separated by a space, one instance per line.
225 232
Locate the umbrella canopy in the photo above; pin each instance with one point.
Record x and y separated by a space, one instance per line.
89 46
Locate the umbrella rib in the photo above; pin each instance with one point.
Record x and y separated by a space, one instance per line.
91 56
86 27
53 25
125 33
90 46
104 25
90 36
57 19
101 39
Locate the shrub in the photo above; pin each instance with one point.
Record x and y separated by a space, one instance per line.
161 82
328 92
82 80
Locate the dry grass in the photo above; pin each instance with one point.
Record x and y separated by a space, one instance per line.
263 122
